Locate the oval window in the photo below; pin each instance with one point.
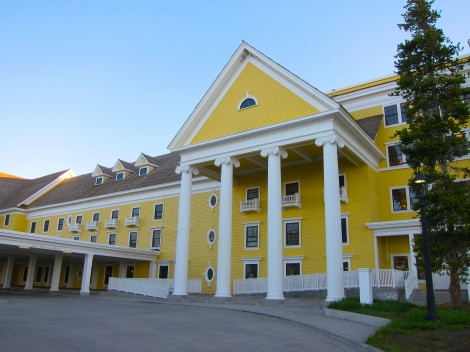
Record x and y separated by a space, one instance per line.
213 200
211 237
209 274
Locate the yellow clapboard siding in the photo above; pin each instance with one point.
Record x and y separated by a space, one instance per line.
275 104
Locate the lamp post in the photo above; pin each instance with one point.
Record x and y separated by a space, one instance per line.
431 313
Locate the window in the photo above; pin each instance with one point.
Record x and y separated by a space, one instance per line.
112 239
143 171
156 238
60 224
7 219
343 193
38 274
292 233
135 212
395 114
130 272
163 270
251 236
247 101
120 176
76 238
346 265
96 217
93 238
403 199
211 236
99 181
291 188
108 272
78 219
292 268
344 230
133 239
115 214
466 99
33 227
158 212
252 193
400 262
395 155
251 271
213 200
46 226
66 274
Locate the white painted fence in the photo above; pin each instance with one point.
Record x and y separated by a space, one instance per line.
314 282
159 288
411 283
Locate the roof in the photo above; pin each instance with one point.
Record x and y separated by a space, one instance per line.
83 186
371 125
14 191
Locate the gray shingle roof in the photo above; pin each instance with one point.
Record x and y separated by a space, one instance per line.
371 125
83 186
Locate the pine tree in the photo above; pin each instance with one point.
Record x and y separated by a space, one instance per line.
431 82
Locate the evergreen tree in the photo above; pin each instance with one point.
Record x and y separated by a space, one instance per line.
431 82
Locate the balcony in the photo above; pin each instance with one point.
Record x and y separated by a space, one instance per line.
292 200
247 206
75 227
132 221
343 194
92 225
111 224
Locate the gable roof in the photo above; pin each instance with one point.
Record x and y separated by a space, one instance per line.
15 192
242 55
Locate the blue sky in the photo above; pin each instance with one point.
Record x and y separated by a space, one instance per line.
88 82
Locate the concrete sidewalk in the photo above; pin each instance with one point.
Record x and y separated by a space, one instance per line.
118 322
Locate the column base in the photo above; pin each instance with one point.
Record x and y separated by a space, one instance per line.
334 299
84 294
179 294
275 297
223 295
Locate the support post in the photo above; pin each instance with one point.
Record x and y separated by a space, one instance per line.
8 272
31 271
86 276
56 272
152 269
365 286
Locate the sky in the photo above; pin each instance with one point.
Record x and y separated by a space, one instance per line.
90 82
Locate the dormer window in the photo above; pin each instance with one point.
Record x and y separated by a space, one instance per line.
99 181
143 171
248 101
120 176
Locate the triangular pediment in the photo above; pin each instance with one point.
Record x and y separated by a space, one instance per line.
101 171
275 96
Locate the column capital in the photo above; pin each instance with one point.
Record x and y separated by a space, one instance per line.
274 151
331 138
187 169
227 160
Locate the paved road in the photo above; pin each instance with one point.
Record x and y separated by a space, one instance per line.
45 322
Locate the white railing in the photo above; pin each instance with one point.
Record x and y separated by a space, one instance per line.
111 224
75 227
314 282
132 221
411 283
249 205
160 288
292 200
92 225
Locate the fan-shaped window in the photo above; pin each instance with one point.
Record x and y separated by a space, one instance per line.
247 103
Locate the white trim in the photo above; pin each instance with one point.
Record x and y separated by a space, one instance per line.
93 235
346 217
120 173
132 211
99 180
292 260
136 238
58 224
115 238
387 155
213 194
395 228
48 225
146 168
288 182
249 188
76 238
400 118
291 221
163 210
211 243
245 227
152 247
251 262
408 200
400 255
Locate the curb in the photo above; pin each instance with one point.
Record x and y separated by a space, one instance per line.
356 317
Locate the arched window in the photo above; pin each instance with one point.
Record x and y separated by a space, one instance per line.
247 102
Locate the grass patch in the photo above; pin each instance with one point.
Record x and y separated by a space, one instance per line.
408 330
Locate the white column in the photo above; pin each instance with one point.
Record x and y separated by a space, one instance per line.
182 237
365 286
334 246
122 270
152 269
224 255
86 276
56 273
275 274
8 272
31 272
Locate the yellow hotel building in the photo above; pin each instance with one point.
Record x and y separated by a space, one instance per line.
268 178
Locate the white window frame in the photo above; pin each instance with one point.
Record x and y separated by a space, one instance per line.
211 243
81 219
162 264
58 224
249 188
213 195
111 214
32 229
289 182
146 168
48 225
346 260
245 226
284 229
99 181
136 238
247 96
292 260
408 200
151 238
392 256
403 165
94 235
93 216
132 211
6 221
120 173
400 120
115 238
154 211
251 262
346 217
76 237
